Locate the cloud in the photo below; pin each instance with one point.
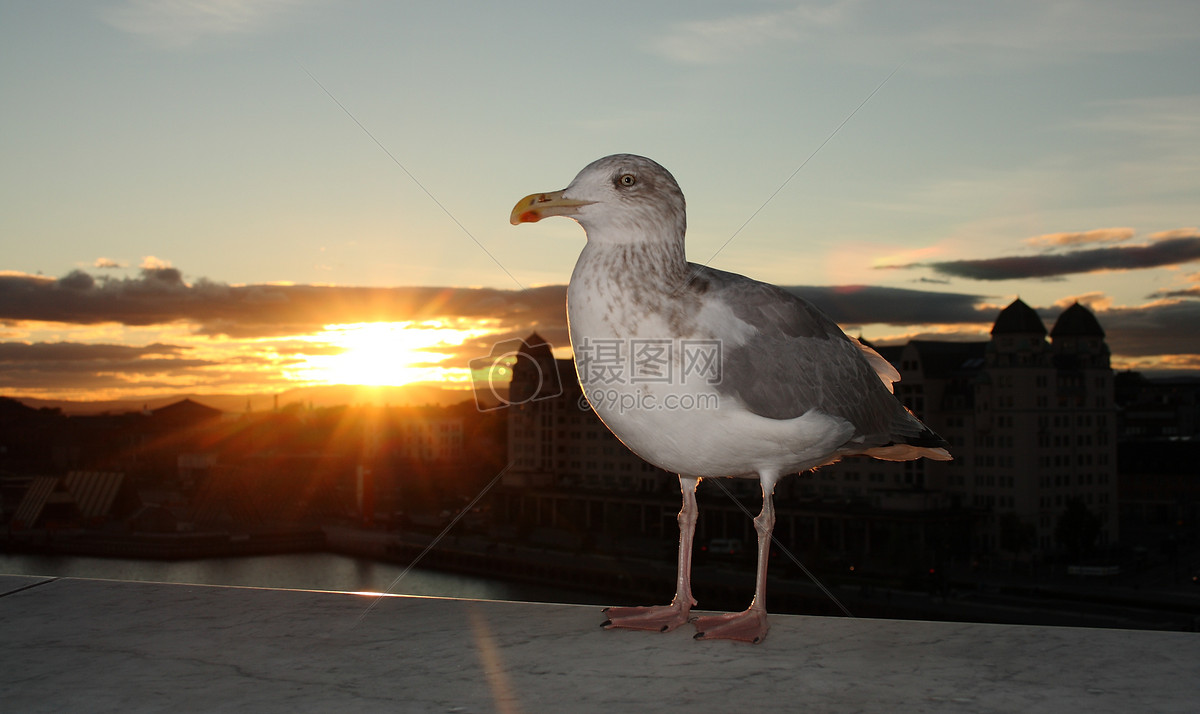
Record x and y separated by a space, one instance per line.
1100 235
244 318
247 317
64 352
1166 252
1149 146
305 348
1159 334
1170 120
107 264
150 262
1175 233
73 365
79 370
1095 301
180 23
246 358
1056 28
1167 327
1190 291
1167 365
937 36
717 40
159 295
864 305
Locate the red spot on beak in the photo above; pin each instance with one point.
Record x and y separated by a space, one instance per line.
530 217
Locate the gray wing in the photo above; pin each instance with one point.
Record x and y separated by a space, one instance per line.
798 359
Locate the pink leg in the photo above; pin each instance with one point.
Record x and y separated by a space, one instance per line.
749 625
664 618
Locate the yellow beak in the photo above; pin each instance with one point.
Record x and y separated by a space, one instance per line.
537 206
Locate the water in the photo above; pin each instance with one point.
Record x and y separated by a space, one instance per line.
295 571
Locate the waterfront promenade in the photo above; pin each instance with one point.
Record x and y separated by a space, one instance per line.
638 572
94 645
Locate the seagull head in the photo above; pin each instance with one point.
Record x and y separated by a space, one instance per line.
618 199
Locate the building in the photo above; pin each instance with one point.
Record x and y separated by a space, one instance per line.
1157 410
427 437
1031 423
79 499
554 437
572 483
1159 489
1159 434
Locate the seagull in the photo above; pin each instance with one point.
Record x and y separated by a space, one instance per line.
707 373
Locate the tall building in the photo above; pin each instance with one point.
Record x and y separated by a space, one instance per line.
1031 423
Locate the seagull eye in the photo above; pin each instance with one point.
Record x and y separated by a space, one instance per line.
626 180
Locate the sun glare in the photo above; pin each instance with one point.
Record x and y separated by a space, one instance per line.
386 353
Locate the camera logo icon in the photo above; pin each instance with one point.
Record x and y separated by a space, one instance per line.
515 372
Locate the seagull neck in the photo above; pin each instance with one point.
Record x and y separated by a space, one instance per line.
665 261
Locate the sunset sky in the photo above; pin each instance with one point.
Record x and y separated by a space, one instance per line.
235 196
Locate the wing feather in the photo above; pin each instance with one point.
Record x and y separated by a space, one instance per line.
797 359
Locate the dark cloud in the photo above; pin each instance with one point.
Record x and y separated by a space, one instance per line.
1101 235
1189 292
74 365
1163 328
159 295
864 304
56 352
1170 251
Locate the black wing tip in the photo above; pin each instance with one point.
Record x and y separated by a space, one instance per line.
927 439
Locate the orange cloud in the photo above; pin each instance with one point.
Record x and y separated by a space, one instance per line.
1095 301
150 262
1175 233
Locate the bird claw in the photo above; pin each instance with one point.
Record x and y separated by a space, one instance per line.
747 626
661 618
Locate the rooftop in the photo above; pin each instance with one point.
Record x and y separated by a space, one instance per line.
1077 321
99 645
1018 319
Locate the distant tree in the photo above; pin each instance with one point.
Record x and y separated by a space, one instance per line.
1077 529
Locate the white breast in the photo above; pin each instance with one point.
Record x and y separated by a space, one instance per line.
683 426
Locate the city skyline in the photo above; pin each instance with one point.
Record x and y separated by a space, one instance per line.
234 196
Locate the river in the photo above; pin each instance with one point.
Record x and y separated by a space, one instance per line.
295 571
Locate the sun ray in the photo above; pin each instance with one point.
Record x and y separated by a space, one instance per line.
385 353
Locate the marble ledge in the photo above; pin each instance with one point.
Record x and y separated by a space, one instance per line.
94 645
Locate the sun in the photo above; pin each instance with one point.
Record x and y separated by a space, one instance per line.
384 354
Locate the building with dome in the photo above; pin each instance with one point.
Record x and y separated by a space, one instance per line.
1032 426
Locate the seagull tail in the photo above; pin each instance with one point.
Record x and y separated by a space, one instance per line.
907 452
912 443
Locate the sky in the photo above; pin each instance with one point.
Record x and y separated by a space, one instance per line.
245 195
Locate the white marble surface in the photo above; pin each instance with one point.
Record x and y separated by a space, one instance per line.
91 645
